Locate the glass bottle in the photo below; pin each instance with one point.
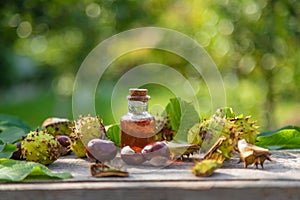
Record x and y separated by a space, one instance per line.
137 126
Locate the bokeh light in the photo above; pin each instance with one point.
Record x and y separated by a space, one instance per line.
255 44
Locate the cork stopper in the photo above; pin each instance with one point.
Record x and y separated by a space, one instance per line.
137 94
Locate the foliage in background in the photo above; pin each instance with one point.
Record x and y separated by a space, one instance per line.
253 42
12 129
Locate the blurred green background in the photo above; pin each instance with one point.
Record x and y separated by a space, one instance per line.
254 43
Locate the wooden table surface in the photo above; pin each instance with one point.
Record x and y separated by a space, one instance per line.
280 179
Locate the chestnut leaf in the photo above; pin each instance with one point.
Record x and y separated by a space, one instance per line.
114 133
17 171
283 139
6 150
12 134
12 129
182 116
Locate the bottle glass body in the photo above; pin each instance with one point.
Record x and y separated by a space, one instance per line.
137 126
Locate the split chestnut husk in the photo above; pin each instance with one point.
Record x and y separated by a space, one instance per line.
251 154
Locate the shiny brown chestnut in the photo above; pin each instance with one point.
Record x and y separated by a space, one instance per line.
17 155
132 156
101 150
156 149
65 143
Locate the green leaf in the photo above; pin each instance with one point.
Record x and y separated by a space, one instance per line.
12 134
173 111
267 133
114 134
10 120
2 147
283 139
16 171
182 116
11 130
6 150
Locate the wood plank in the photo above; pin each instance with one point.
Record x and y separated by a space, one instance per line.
279 180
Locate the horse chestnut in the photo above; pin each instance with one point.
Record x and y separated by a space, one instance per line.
101 150
156 149
65 143
132 156
17 155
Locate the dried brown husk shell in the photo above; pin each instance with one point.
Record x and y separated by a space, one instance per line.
252 155
178 150
213 152
103 170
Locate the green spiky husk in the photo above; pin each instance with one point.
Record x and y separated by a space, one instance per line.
223 123
77 147
211 130
40 147
60 129
193 136
58 126
86 128
246 129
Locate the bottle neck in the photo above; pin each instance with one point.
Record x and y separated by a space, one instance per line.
137 107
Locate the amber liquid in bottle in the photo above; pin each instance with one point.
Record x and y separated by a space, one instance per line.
137 126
